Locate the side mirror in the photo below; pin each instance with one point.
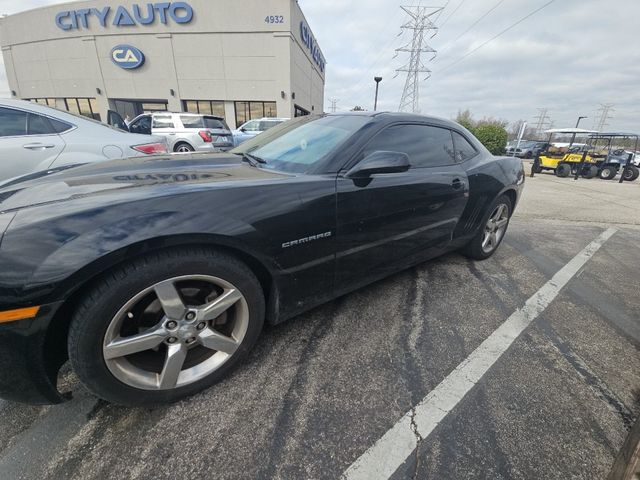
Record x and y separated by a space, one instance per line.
243 130
380 162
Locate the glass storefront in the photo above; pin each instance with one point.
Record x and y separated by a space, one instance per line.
87 107
246 111
205 107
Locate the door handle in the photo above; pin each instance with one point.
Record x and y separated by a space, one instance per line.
457 184
37 146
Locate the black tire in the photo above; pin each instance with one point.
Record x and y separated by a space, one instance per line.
590 172
183 147
563 170
608 172
631 173
114 289
536 168
528 155
474 249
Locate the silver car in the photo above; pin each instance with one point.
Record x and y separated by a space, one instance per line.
35 138
255 127
185 132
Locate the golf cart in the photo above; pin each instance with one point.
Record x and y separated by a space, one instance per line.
610 159
569 159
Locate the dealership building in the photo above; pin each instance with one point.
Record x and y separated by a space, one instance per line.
239 59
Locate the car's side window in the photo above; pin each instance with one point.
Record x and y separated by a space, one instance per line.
464 150
426 146
252 127
163 122
39 125
142 125
13 123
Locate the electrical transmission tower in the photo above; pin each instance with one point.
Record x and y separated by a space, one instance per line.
543 121
334 104
605 112
420 22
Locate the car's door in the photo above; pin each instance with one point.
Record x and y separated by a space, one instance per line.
393 220
29 142
165 126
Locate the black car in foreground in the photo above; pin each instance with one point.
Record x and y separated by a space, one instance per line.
154 276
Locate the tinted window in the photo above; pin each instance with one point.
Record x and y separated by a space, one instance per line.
39 125
58 126
212 122
191 121
426 146
464 150
142 125
163 122
13 123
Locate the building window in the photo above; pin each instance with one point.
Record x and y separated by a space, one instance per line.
246 111
87 107
48 102
204 107
150 107
300 112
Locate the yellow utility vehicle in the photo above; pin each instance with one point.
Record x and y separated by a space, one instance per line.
567 159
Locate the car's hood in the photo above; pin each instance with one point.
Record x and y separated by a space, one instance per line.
129 175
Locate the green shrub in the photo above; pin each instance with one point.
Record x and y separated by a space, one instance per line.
493 137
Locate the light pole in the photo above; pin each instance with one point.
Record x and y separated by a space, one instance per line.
377 80
573 138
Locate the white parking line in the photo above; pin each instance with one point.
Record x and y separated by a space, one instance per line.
387 454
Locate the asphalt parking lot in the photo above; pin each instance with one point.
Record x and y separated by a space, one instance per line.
320 390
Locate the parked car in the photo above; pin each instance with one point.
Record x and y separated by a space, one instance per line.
255 127
34 138
526 149
155 277
184 132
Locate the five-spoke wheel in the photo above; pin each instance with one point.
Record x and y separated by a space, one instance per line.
165 326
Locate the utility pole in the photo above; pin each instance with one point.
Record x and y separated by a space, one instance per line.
377 80
420 22
334 104
605 114
542 121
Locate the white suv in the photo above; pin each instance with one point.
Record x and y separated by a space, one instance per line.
185 132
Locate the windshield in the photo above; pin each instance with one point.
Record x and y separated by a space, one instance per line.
297 145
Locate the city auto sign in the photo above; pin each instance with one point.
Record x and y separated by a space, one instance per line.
178 12
312 45
127 57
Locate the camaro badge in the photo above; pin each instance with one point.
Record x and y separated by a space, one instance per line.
306 240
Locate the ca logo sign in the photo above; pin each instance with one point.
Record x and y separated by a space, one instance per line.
127 57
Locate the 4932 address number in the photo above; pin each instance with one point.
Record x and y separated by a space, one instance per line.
274 19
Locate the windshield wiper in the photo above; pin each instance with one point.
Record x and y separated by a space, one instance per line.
253 160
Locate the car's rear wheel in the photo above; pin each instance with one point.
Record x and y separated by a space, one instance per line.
563 170
494 228
165 326
183 148
608 172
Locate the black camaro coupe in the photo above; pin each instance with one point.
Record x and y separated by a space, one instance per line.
154 276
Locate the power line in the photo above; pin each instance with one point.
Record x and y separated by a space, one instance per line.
473 25
543 121
334 104
496 36
605 109
452 13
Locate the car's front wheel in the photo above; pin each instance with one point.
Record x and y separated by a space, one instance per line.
494 227
165 326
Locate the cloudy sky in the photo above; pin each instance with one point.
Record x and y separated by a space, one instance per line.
570 57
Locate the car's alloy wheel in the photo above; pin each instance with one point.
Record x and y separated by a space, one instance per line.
176 332
495 228
184 148
165 325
